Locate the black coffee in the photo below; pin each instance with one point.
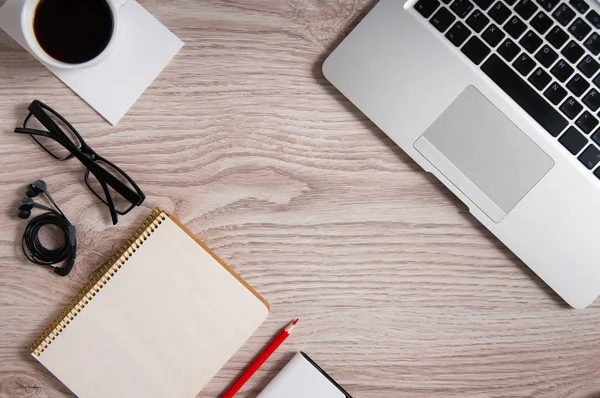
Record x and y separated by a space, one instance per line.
73 31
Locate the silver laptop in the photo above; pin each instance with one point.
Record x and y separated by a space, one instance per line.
499 100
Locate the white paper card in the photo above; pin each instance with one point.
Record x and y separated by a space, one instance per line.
145 47
300 379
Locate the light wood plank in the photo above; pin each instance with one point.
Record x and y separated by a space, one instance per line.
399 290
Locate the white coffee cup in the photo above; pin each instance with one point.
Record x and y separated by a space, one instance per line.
27 19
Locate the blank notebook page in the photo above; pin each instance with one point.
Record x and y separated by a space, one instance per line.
162 326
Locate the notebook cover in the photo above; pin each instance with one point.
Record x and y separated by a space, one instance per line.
158 320
303 378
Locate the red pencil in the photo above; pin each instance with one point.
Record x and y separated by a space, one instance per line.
259 360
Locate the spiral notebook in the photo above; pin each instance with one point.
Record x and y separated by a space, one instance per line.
159 319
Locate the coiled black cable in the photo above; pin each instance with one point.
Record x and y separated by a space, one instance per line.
37 253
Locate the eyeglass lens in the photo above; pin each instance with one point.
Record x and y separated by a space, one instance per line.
121 204
50 145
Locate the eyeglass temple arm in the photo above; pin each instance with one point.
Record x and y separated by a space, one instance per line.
22 130
111 205
36 109
98 171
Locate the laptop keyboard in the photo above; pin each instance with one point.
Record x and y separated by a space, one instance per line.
543 54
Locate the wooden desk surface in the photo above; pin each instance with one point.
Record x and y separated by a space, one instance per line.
399 290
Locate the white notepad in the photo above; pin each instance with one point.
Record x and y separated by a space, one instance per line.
158 320
303 378
144 49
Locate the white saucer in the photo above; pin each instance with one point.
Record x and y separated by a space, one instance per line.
144 49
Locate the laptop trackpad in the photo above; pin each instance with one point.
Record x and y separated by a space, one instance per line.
483 154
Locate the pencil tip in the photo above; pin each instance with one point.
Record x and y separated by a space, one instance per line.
295 321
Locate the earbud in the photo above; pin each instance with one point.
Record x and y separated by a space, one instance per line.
26 205
24 214
36 188
33 190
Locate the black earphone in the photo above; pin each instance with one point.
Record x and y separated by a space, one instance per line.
36 188
26 205
33 248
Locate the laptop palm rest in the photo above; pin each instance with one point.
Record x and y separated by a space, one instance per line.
485 155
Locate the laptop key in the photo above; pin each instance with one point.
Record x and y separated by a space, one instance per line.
579 29
593 18
458 34
571 108
548 5
562 71
442 19
577 85
477 21
590 157
573 140
596 137
427 7
541 23
588 66
592 99
540 79
475 50
572 51
515 27
484 4
530 41
555 93
499 12
524 95
461 7
564 14
579 5
546 56
586 122
592 43
509 50
526 9
492 35
557 37
524 64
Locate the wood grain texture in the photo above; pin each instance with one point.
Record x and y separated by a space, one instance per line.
399 290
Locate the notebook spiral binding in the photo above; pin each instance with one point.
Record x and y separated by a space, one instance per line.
97 281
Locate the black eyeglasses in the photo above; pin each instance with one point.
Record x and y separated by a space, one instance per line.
60 140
